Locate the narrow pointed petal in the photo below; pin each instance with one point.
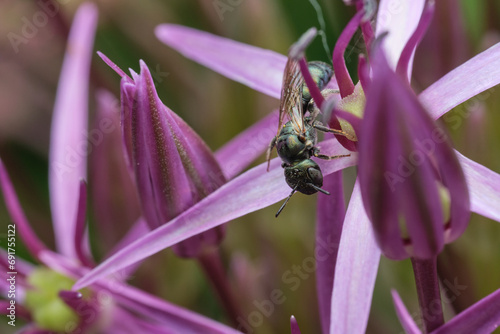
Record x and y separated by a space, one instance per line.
294 326
400 21
404 316
248 192
80 228
256 68
115 67
484 187
405 61
346 86
331 213
68 142
178 319
238 153
355 272
481 318
463 83
17 215
148 306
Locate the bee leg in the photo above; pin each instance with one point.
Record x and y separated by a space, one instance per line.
319 126
269 150
316 153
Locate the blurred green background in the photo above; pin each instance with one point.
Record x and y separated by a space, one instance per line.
258 248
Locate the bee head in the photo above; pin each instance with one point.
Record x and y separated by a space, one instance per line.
305 176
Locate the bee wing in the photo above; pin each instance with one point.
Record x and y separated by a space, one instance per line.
291 96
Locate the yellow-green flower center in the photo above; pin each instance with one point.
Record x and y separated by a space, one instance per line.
354 104
48 310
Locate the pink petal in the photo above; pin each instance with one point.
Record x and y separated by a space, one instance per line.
178 319
406 59
404 316
68 149
399 19
346 86
17 215
484 188
329 221
464 82
237 154
357 265
257 68
248 192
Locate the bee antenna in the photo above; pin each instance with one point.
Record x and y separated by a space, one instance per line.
319 189
286 201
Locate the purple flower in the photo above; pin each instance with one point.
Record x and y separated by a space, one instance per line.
42 295
358 254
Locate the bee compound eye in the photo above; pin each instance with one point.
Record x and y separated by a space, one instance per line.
315 176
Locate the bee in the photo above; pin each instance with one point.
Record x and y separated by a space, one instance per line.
297 133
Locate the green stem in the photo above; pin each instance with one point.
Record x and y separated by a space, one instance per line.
429 296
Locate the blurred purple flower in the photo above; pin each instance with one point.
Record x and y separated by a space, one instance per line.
42 296
115 202
358 254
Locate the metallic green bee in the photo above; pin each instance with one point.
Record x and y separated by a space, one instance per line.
296 139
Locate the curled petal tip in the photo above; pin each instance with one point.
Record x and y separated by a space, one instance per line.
294 326
298 48
70 295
